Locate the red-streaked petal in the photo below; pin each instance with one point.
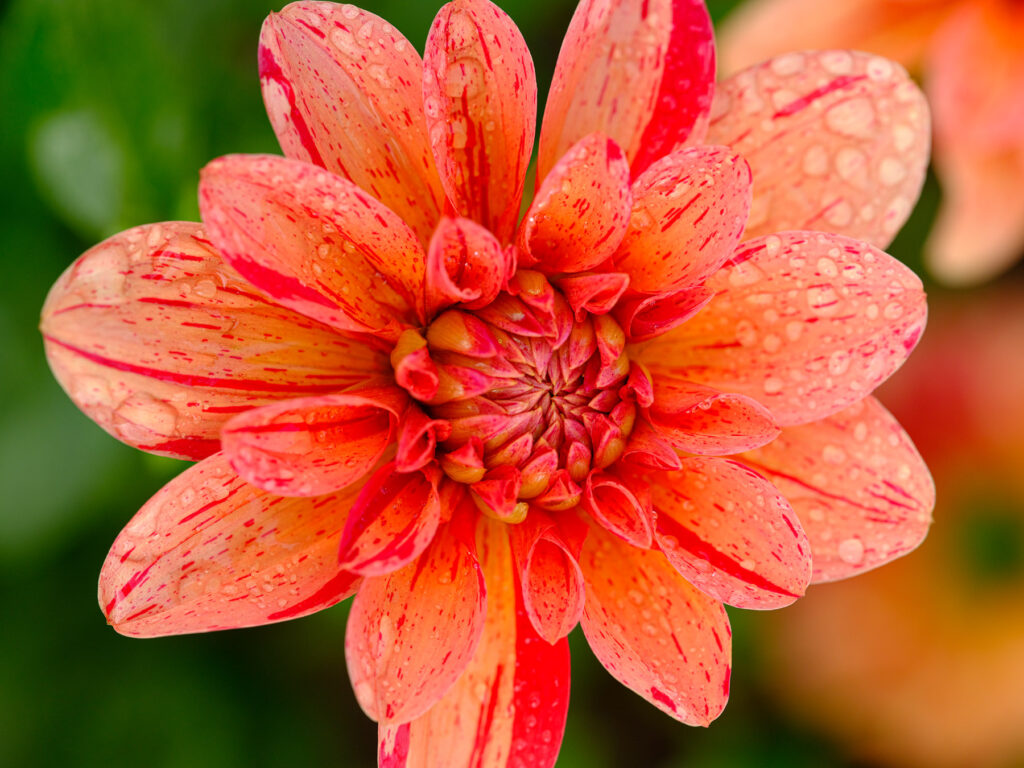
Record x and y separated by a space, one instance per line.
581 209
480 92
465 264
509 707
806 323
343 90
593 294
315 242
858 484
855 130
731 534
160 342
698 419
392 521
412 632
653 631
418 437
620 505
313 445
644 317
210 551
689 211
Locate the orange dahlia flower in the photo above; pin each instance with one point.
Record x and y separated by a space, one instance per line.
970 55
490 430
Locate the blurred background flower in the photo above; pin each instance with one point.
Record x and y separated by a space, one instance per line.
110 108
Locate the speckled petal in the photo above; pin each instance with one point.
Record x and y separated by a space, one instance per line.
860 488
412 632
806 323
315 242
731 534
160 342
581 210
210 551
688 214
343 90
645 317
313 445
480 93
636 601
465 265
509 707
855 130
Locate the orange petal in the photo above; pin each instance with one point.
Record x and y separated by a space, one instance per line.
804 322
860 488
343 90
509 707
855 134
653 631
465 264
412 632
581 210
688 214
480 92
731 534
315 242
644 317
160 342
620 505
313 445
210 551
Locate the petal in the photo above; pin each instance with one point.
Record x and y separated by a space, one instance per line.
581 210
688 214
509 707
412 632
595 293
418 438
313 445
654 632
644 317
804 322
699 419
392 522
343 90
731 534
160 342
210 551
465 264
858 484
480 92
621 505
314 242
855 134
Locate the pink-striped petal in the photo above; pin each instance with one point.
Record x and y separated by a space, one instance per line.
480 93
731 534
595 293
581 209
688 214
313 445
644 317
210 551
653 631
160 342
343 90
392 522
806 323
411 633
465 265
315 242
858 484
418 437
509 707
855 130
621 505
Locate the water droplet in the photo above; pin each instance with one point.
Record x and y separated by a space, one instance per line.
851 551
773 385
464 78
891 171
816 161
854 117
788 64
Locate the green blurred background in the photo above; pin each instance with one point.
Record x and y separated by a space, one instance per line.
108 109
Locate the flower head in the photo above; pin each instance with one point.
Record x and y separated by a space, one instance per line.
492 429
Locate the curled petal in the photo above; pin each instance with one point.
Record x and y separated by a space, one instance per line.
465 264
593 294
417 439
313 445
414 369
856 133
636 600
858 484
731 534
581 209
343 90
497 494
644 317
806 323
480 92
210 551
392 521
621 505
314 242
160 342
648 447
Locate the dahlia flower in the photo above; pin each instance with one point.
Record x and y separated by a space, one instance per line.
970 55
490 428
